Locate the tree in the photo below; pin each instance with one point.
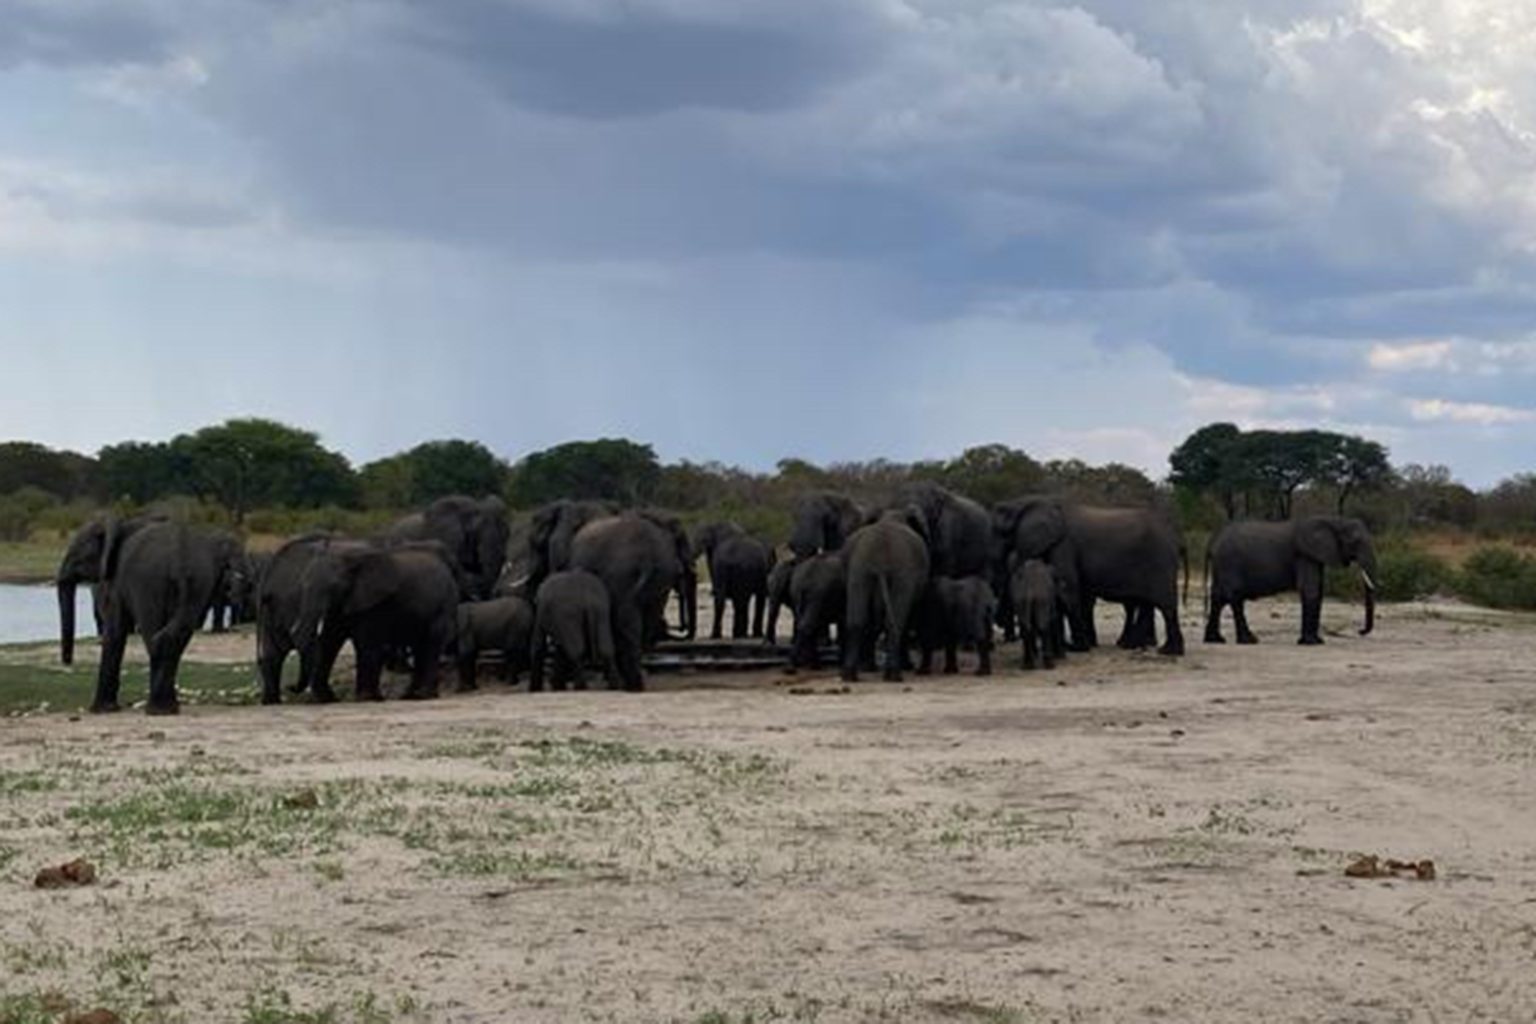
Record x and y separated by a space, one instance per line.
250 463
991 473
1430 495
432 470
1355 464
614 469
64 475
141 472
1207 463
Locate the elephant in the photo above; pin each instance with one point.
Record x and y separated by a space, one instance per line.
818 594
232 591
1038 597
739 566
502 624
157 579
778 596
642 557
572 609
956 613
1131 556
82 564
823 521
887 568
279 605
552 529
380 598
474 531
960 541
1253 559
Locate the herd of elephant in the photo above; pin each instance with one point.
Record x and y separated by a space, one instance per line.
589 587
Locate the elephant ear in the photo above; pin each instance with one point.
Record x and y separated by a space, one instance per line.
841 519
117 533
917 522
1039 528
1318 540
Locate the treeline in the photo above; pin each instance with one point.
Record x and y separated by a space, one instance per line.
270 477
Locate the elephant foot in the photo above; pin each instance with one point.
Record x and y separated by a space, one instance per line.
271 699
469 687
1171 650
106 707
298 687
1312 640
375 696
325 695
413 694
1215 638
1247 639
638 686
982 671
167 708
891 675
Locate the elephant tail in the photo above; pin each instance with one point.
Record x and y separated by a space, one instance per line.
891 625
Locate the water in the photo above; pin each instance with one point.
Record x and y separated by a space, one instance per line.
32 613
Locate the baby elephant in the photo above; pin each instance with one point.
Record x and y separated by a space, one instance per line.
960 612
1037 601
572 609
502 624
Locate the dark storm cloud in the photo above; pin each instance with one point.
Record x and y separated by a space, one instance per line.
55 32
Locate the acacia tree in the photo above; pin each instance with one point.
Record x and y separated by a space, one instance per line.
1272 465
1206 463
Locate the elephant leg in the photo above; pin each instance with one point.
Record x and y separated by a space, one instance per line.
1173 646
984 654
1240 623
370 669
315 669
739 609
951 656
628 626
270 656
1030 652
758 607
896 615
467 661
1309 584
853 650
1213 619
537 654
164 661
426 657
109 673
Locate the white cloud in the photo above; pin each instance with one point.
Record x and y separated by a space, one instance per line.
1414 355
1433 410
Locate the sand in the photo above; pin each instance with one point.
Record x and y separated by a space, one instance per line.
1124 838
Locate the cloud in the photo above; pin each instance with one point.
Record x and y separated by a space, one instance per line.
1479 413
1416 355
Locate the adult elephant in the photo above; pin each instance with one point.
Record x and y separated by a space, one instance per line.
474 531
959 530
642 557
823 521
279 604
739 566
1250 560
551 531
82 563
1130 556
886 570
379 598
157 580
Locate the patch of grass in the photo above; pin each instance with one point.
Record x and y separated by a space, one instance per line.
517 865
276 1006
35 688
330 870
29 1008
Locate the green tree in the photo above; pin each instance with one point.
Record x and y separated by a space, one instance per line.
614 469
1207 463
251 463
62 474
432 470
1355 464
141 472
991 473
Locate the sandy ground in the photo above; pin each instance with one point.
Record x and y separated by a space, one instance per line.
1125 838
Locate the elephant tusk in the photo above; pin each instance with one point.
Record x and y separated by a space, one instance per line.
1369 583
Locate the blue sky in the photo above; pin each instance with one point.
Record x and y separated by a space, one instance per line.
746 229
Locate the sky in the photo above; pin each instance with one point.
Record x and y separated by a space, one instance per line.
742 230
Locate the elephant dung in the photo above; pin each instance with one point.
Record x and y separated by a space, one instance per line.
77 872
1372 866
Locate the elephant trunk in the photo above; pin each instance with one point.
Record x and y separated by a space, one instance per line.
67 621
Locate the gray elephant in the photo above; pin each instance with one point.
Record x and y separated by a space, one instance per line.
474 531
1038 599
232 591
960 541
551 531
818 593
887 568
157 579
502 624
382 599
279 606
572 609
1131 556
957 613
739 566
823 521
642 557
1252 560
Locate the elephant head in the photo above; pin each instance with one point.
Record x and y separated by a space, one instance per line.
550 532
342 582
1338 541
707 537
475 532
81 564
688 579
823 521
1030 527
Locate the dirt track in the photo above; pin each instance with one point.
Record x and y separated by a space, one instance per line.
1125 838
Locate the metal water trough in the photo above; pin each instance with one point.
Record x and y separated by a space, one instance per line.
715 656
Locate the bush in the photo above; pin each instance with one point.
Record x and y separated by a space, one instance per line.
21 511
1499 577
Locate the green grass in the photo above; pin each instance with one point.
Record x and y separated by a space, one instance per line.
32 561
61 688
